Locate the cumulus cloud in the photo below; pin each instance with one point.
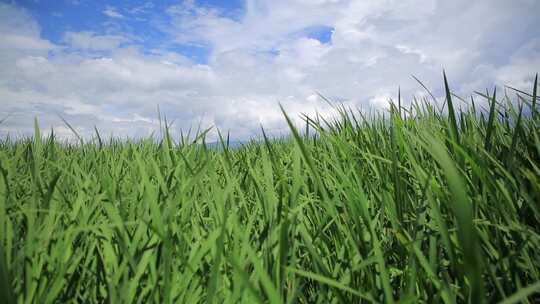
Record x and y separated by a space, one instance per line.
259 59
20 32
91 41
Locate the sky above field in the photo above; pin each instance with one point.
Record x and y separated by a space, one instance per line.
228 64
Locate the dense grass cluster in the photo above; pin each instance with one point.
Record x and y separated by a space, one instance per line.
421 205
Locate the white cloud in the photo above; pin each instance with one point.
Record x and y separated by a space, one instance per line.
112 12
262 59
19 31
518 71
142 9
23 42
91 41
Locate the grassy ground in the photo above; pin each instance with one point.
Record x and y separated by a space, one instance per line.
414 207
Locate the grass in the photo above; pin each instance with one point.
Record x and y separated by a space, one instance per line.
417 206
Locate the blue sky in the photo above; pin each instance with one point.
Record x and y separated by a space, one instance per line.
140 19
229 63
134 18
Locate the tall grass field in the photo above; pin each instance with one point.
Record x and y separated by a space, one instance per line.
420 203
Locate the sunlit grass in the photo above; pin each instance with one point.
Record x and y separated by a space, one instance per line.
419 206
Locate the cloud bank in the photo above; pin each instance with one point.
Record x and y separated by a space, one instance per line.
282 51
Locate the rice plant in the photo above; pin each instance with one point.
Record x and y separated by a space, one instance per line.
414 205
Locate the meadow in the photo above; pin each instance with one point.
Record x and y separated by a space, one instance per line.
417 204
